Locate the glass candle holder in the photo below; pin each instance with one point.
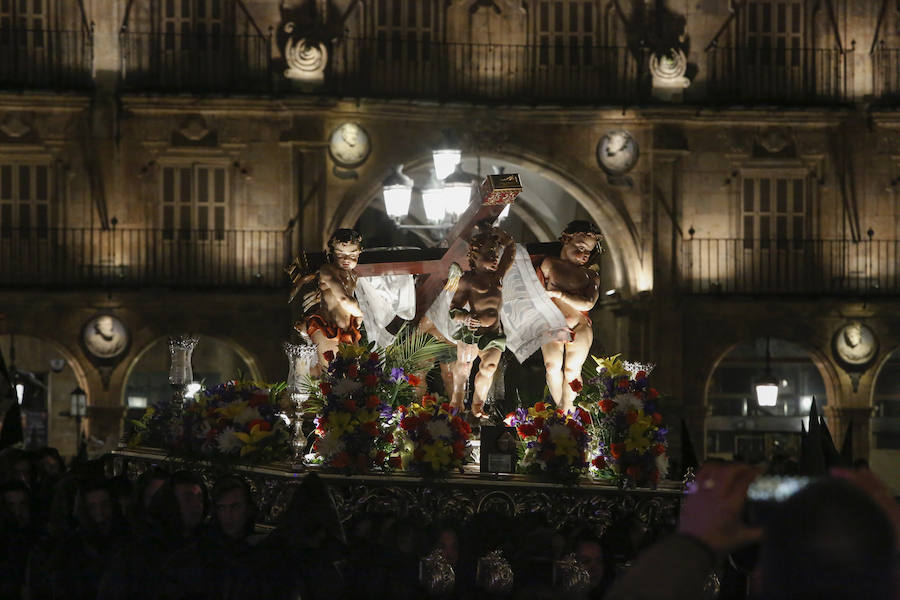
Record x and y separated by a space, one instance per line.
180 371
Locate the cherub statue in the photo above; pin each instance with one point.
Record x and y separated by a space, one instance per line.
331 313
476 305
574 288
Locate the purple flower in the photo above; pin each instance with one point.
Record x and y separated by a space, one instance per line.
397 375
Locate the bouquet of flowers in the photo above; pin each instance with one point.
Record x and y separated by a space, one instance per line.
352 426
429 439
629 440
556 443
235 420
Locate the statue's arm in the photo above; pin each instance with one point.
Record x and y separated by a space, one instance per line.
458 311
509 253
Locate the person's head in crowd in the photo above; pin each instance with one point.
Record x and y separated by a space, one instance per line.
15 502
16 464
95 506
311 519
147 484
831 540
49 463
190 493
233 507
590 553
445 536
122 491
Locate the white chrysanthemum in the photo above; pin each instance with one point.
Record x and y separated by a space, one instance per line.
662 465
248 414
228 442
439 429
329 445
345 387
628 402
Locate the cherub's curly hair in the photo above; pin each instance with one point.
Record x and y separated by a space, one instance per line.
342 236
586 227
485 233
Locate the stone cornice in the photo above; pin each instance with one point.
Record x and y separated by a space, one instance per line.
45 101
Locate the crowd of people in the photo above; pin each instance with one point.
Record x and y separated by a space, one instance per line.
81 533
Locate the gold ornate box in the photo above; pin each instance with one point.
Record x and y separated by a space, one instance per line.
500 189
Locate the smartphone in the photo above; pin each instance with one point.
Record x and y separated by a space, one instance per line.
767 492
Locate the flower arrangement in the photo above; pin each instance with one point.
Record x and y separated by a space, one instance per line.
556 443
629 440
429 439
352 426
237 420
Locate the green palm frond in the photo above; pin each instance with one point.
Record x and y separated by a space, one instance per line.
415 351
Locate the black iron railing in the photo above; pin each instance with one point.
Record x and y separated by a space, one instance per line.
774 267
198 63
778 75
403 68
45 59
885 72
143 257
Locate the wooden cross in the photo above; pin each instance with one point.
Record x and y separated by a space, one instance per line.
487 202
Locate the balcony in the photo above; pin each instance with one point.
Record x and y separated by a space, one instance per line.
195 63
778 75
886 72
45 59
123 258
521 74
791 267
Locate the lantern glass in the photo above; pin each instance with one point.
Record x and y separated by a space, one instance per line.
77 402
445 161
767 392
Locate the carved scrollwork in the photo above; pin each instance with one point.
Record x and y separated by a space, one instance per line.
306 60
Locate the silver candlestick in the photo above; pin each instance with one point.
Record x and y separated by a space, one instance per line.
301 358
181 373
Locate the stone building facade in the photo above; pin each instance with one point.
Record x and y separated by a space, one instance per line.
162 160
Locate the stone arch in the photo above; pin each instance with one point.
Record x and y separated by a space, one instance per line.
629 272
823 365
242 353
879 365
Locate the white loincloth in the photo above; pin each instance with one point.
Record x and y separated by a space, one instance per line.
381 299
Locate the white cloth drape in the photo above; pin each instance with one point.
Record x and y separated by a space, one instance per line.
381 299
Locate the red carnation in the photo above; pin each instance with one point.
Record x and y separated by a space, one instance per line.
394 462
371 380
633 471
640 375
373 356
372 401
631 417
409 423
599 462
527 429
353 371
606 405
656 418
445 406
539 422
584 415
540 406
263 425
325 387
652 393
349 405
617 450
413 380
380 456
576 386
370 428
328 355
659 449
623 383
509 418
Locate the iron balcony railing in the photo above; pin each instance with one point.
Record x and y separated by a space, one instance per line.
775 267
885 72
408 68
143 257
197 63
45 59
778 75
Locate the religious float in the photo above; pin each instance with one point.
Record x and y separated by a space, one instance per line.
357 409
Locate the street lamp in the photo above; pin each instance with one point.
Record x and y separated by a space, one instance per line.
458 191
767 385
446 155
397 191
433 200
77 409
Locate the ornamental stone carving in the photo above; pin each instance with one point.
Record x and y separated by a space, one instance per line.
306 60
668 70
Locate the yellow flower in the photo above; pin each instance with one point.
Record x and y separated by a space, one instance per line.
565 445
251 439
351 351
637 433
437 454
339 423
612 364
230 411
